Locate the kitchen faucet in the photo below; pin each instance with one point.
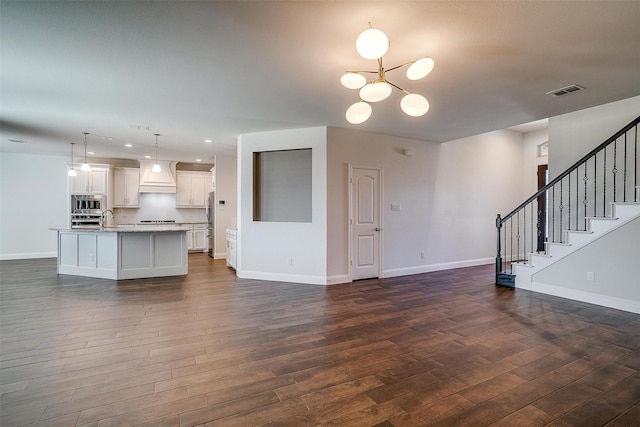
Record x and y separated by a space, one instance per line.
102 218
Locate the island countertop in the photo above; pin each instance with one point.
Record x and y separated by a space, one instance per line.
123 252
133 228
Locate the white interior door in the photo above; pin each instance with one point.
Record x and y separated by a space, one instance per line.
365 223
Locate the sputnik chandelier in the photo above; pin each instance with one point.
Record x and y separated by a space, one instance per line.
373 44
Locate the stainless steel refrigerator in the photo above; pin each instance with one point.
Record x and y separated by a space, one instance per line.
211 227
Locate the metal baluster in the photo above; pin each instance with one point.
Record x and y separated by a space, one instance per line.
569 206
595 184
635 168
560 207
524 234
615 169
624 176
577 197
532 245
518 238
511 247
553 213
505 246
585 202
604 183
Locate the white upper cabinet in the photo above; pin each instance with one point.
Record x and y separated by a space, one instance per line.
126 182
94 181
192 189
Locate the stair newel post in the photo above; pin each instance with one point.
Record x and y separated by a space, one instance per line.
498 248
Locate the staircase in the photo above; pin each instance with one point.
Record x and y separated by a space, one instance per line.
596 195
621 213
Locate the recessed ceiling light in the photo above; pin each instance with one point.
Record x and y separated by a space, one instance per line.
128 145
198 160
147 157
208 140
91 152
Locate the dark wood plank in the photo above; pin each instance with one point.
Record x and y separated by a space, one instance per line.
442 348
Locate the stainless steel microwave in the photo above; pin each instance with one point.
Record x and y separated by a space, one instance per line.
88 204
86 210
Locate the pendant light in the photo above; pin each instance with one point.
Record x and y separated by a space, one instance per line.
85 166
373 44
156 167
72 171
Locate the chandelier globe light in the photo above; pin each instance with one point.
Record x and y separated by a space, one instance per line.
420 69
358 113
72 171
414 105
85 166
156 167
376 91
353 80
373 44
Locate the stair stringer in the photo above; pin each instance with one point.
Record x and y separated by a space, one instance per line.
621 213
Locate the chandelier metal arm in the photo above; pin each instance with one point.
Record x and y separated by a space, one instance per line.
397 87
402 65
362 71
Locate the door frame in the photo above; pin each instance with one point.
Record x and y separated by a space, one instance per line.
541 176
380 170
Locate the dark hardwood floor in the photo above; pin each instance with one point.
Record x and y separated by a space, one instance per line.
446 348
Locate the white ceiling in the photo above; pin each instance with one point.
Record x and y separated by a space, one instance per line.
214 70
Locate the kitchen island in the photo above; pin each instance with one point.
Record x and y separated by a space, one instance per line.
123 252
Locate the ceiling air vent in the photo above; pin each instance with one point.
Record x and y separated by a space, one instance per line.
565 90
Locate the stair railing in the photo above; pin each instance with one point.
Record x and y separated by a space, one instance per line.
608 173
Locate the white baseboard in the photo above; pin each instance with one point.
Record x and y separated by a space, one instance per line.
337 279
279 277
407 271
28 255
589 297
221 255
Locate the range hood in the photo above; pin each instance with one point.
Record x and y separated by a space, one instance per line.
157 182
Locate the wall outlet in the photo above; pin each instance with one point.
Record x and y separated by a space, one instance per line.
289 262
591 276
92 257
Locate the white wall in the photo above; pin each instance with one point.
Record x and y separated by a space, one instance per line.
573 135
264 248
612 258
33 191
450 195
478 178
227 190
407 180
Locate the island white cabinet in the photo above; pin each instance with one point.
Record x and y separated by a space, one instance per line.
94 181
119 253
126 183
192 189
232 236
197 237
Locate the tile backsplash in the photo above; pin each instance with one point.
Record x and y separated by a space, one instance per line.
158 206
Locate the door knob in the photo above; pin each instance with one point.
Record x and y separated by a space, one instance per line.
377 228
